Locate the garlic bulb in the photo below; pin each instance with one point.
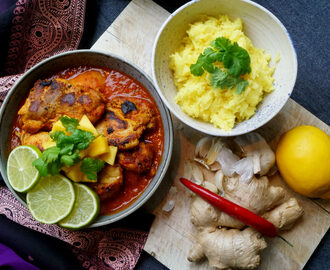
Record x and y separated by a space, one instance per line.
255 146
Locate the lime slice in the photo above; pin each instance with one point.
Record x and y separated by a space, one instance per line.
52 199
22 175
85 210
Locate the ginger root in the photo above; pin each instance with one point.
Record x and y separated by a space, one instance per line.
218 246
203 214
284 216
225 241
257 196
227 248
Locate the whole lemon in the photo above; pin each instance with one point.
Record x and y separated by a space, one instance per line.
303 159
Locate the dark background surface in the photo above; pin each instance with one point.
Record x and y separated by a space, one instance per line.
308 24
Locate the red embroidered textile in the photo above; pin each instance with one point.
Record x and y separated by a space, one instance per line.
40 29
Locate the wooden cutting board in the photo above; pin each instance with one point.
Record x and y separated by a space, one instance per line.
171 236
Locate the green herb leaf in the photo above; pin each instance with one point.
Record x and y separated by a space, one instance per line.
41 166
70 124
54 135
204 62
210 55
54 167
221 44
82 138
63 139
224 80
240 86
66 151
197 69
51 154
90 167
235 59
69 160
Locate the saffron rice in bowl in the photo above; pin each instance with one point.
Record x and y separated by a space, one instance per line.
197 97
213 93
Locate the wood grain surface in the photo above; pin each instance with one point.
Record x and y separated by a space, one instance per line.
171 236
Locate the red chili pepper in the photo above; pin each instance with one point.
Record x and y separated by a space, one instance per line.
246 216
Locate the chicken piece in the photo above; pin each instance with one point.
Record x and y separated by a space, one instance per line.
138 160
92 78
50 99
39 139
125 120
110 179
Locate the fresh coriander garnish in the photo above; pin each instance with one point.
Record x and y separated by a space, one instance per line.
90 167
66 151
70 124
235 59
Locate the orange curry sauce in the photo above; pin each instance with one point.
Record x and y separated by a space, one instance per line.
112 84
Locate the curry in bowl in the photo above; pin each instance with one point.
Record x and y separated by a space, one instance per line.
120 114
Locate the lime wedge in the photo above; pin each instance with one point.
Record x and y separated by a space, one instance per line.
22 175
85 210
52 199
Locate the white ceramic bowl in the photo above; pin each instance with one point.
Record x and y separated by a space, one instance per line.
265 31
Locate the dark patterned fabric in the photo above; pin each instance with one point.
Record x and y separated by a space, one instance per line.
40 29
116 248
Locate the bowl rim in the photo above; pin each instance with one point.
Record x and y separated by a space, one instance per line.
220 132
167 118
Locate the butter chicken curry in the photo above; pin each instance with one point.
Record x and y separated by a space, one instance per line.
119 107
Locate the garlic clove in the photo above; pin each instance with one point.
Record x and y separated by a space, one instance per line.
187 169
202 147
214 151
210 187
168 206
197 174
218 180
256 162
193 172
244 168
202 162
215 166
227 160
170 203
